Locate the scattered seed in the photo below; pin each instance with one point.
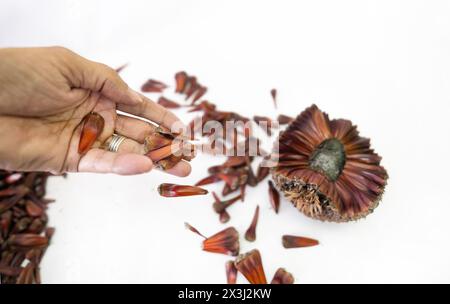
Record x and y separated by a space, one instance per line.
153 86
291 241
250 265
224 242
231 272
284 119
273 93
22 225
172 190
167 103
274 197
250 235
282 277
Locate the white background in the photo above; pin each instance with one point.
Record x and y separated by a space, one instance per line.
383 64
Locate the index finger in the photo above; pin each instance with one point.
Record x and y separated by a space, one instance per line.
154 112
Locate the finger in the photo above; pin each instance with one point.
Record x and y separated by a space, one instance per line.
128 146
154 112
98 77
182 169
101 161
134 128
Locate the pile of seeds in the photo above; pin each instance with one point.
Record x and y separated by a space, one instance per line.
242 148
24 236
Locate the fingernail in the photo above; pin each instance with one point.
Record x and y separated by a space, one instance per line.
135 96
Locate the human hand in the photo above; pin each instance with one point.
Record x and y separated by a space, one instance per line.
44 95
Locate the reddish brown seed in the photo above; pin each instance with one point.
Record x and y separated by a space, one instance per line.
156 141
216 169
10 271
37 275
220 206
282 277
169 162
274 197
161 130
7 192
265 123
180 79
284 119
33 209
250 234
36 226
231 272
273 93
243 188
250 265
226 190
20 229
27 275
50 232
231 179
153 86
193 229
291 241
27 240
208 180
262 172
161 153
201 91
5 223
252 180
191 88
93 125
172 190
203 106
10 202
167 103
235 161
224 242
189 151
224 217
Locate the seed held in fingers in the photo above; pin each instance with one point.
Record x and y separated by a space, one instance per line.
161 153
169 162
156 141
92 128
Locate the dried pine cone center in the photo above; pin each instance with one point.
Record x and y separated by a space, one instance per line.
329 159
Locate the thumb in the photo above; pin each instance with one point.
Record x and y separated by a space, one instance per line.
103 79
